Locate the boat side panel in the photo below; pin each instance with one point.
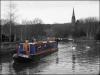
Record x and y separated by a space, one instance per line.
32 49
20 49
37 48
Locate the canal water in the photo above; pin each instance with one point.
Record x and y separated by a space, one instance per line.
71 58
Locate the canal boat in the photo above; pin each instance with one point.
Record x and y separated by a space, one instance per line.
36 50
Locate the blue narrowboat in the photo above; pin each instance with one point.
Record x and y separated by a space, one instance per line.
36 50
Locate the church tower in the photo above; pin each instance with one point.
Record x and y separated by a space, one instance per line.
73 17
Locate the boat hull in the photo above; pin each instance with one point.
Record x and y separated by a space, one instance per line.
35 57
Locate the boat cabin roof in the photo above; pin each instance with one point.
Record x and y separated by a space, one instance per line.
42 42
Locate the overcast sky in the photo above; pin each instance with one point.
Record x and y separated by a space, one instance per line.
52 11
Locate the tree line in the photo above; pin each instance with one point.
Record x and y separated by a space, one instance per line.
88 28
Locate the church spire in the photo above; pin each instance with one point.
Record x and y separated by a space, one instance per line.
73 17
73 12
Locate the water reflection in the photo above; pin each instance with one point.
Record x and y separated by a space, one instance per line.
57 59
71 58
73 62
88 52
18 67
88 56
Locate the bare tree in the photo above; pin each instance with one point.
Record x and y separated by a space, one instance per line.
90 26
35 21
11 17
33 28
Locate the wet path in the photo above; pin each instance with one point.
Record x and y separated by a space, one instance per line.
68 60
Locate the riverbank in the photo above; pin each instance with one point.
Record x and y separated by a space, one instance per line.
7 47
